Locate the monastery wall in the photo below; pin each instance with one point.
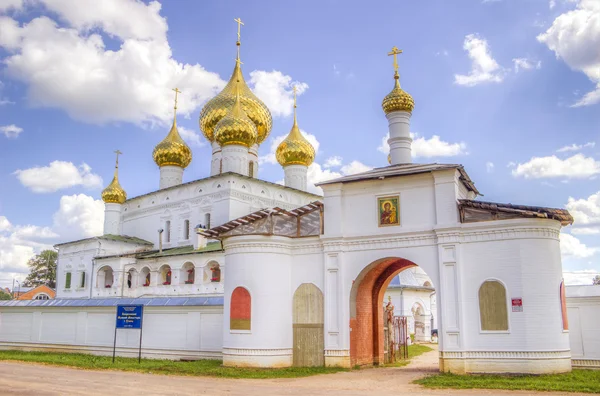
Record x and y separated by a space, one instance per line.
169 332
583 305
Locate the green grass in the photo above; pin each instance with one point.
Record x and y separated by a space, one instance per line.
211 368
414 350
587 381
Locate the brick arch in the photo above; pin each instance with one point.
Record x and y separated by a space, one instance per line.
366 309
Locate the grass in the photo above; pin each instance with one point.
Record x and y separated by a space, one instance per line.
587 381
212 368
414 350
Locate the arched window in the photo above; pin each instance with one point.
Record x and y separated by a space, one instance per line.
240 312
68 280
42 296
168 231
82 283
186 230
493 310
145 277
165 274
215 273
251 169
563 306
189 273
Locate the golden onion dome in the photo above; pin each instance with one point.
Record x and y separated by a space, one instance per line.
172 150
398 99
114 193
295 149
236 127
219 106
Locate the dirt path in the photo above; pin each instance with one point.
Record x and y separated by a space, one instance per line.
33 379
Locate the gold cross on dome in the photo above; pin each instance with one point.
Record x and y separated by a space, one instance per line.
395 51
239 23
118 153
238 61
177 91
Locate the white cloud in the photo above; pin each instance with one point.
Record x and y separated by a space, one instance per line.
489 167
552 4
573 247
58 175
6 5
275 89
575 37
526 64
131 83
11 131
355 167
577 166
333 162
428 148
585 231
4 224
484 67
79 216
583 277
586 212
317 174
576 147
191 137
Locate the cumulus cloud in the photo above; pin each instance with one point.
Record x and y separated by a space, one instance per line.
191 137
570 246
4 224
316 174
526 64
484 67
576 147
11 131
575 38
428 148
79 216
333 162
583 277
586 213
275 89
58 175
578 167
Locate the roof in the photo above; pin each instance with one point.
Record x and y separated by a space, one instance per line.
303 221
473 211
30 292
111 302
583 291
176 251
225 174
111 237
407 280
404 170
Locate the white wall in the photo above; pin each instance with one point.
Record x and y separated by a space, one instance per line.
583 306
169 332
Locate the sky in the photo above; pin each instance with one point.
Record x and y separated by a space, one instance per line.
510 89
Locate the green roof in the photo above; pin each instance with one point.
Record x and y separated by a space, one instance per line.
178 251
111 237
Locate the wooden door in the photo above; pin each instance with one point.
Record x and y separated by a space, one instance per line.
309 343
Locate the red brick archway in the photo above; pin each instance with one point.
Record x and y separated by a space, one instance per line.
366 309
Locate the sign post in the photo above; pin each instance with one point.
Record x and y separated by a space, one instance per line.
129 317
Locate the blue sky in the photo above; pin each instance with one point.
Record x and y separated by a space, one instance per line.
500 86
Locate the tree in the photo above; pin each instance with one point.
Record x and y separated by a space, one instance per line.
4 295
596 280
42 270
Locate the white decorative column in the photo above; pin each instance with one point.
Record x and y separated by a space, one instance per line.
253 159
235 159
112 218
296 176
215 164
400 140
170 176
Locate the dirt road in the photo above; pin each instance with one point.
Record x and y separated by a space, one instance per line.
32 379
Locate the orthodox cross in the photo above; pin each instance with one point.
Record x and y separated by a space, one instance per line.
118 153
240 23
177 91
395 51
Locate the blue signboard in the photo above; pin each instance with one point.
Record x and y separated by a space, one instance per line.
129 316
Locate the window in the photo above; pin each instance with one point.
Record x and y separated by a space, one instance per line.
68 281
251 169
215 273
240 312
563 306
493 307
82 284
207 220
42 296
186 230
168 231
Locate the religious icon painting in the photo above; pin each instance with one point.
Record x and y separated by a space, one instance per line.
389 211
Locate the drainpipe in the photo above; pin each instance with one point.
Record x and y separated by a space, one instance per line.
160 232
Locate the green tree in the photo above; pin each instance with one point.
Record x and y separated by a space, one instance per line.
4 295
596 280
42 270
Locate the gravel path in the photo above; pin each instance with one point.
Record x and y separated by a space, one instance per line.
33 379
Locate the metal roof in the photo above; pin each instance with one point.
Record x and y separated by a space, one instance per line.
110 237
471 211
404 170
112 302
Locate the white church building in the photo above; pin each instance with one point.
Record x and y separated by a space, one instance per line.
267 275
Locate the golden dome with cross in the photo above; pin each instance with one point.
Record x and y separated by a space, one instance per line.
398 99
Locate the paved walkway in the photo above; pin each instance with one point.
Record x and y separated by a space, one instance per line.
33 379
